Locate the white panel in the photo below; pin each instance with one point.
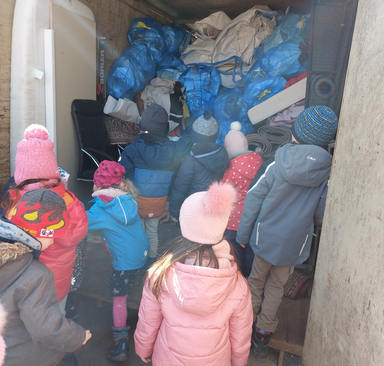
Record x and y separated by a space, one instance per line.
75 61
50 92
30 19
278 102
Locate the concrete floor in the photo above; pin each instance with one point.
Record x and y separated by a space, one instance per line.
95 307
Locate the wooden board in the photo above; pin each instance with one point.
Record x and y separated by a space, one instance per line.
290 334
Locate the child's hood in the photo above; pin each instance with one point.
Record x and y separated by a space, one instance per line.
201 290
117 203
303 165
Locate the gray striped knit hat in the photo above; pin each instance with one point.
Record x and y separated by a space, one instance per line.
316 125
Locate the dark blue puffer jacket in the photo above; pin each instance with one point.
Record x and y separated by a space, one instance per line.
151 166
200 168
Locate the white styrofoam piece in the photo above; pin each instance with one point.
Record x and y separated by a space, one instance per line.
278 102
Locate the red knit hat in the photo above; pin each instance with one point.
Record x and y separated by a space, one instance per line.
108 173
35 157
42 213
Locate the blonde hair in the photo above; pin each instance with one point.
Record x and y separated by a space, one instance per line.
180 249
127 186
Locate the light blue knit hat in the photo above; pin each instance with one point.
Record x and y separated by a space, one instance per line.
316 125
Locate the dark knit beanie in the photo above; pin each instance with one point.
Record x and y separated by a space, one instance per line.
205 128
316 125
154 121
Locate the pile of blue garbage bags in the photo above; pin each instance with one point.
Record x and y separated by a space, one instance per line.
157 51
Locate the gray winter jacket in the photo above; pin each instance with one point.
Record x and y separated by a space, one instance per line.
36 333
281 208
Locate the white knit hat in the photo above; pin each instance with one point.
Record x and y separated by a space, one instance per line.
235 142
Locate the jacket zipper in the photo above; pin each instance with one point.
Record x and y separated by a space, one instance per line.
303 246
257 234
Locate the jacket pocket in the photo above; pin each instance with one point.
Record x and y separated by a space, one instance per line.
303 245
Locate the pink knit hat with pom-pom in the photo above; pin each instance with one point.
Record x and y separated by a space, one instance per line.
204 215
35 157
235 142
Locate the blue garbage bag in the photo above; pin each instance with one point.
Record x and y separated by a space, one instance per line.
255 73
259 90
230 106
148 32
291 28
170 61
130 72
170 73
176 39
282 60
202 83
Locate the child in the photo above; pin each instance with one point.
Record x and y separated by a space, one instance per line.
205 164
115 213
36 332
279 213
150 163
196 307
244 165
36 167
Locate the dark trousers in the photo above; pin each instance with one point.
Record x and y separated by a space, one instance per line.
244 256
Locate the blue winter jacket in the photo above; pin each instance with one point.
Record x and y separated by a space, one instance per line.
281 208
121 227
151 166
196 173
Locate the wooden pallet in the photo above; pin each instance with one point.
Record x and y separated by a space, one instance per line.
289 336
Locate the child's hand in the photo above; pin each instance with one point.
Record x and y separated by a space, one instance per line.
173 219
88 336
146 359
243 245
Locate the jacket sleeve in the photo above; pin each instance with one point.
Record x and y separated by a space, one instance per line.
150 319
41 315
181 186
78 226
252 205
127 163
319 213
96 219
240 330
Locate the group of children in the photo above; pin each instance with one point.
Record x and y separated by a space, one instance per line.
196 308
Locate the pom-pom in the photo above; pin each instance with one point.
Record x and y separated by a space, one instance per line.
36 131
219 199
236 126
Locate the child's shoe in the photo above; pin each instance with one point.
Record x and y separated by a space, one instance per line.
119 351
260 341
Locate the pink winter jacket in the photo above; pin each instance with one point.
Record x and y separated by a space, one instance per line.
204 317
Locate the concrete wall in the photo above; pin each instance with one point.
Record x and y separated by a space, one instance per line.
346 320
